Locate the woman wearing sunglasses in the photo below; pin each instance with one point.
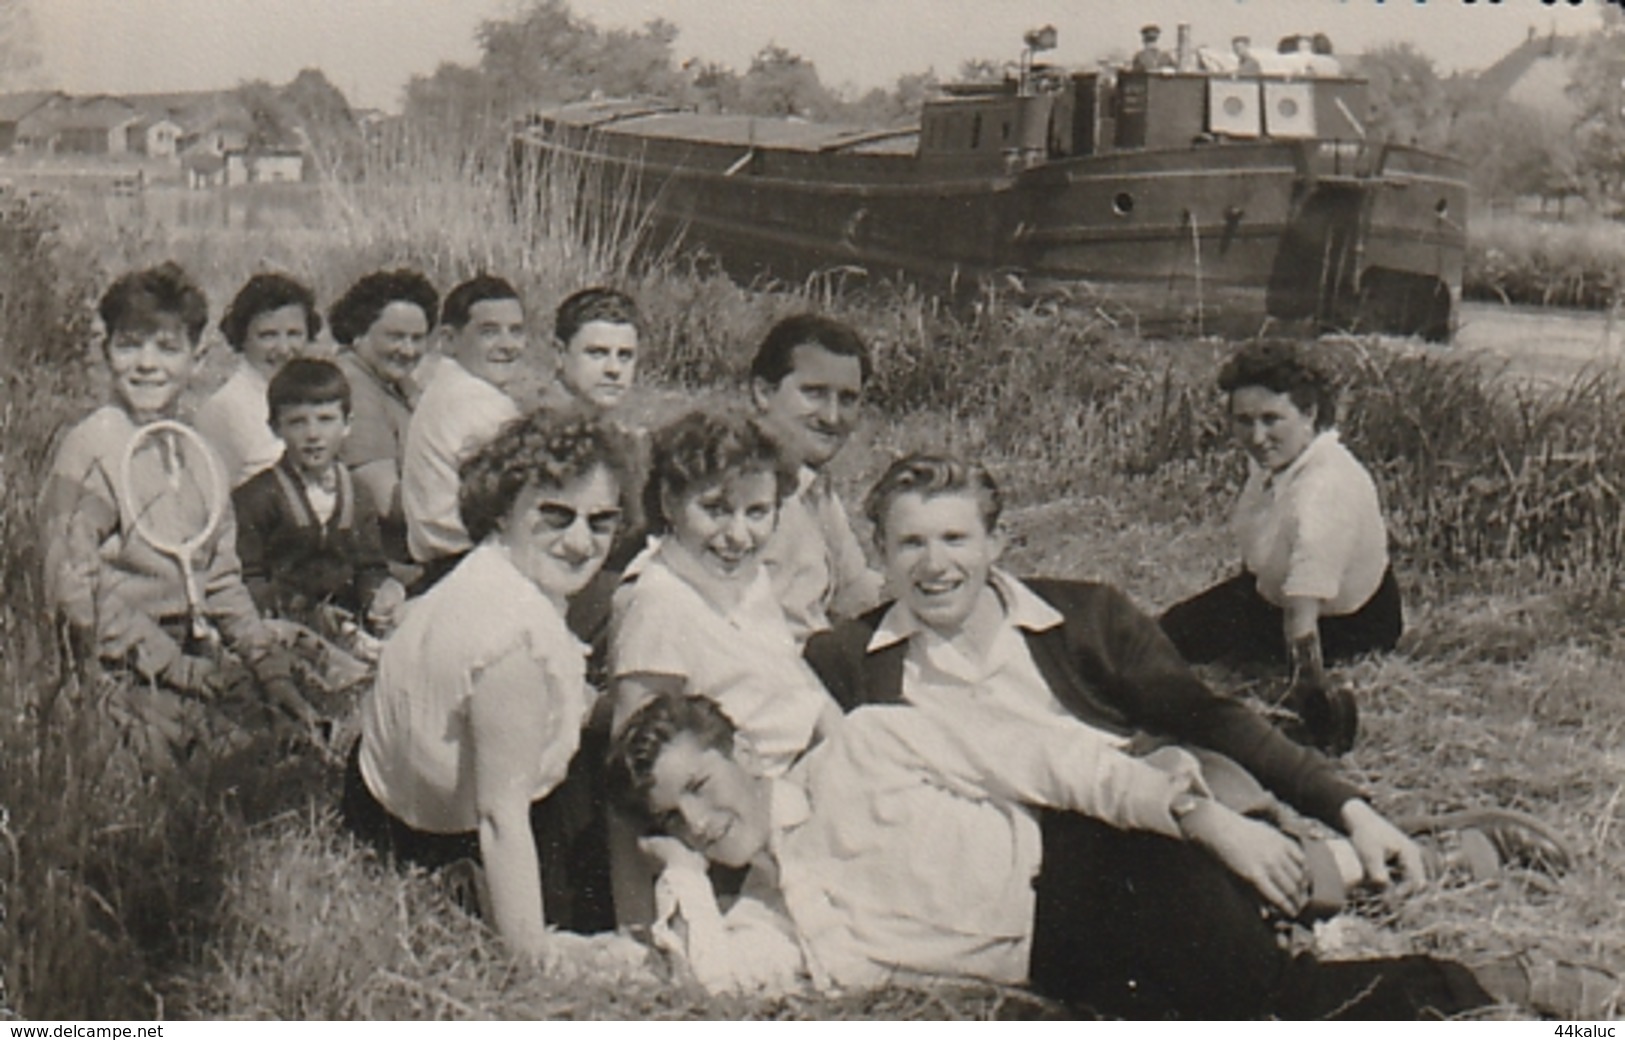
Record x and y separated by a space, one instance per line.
468 736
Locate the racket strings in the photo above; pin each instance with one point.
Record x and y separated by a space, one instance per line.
172 492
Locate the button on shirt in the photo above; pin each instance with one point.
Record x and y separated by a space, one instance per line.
1314 529
458 414
817 566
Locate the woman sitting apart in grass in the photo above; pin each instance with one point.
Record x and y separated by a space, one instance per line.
696 613
470 731
382 324
1316 586
272 319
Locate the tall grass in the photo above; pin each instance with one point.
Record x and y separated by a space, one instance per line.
1518 259
224 889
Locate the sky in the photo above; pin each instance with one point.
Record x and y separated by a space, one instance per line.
370 48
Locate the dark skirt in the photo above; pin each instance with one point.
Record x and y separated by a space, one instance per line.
568 826
1232 622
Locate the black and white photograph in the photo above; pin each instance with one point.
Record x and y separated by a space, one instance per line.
849 511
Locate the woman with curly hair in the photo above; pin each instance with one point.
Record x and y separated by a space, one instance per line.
696 613
478 709
1316 585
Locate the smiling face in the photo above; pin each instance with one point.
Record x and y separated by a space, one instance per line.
152 360
393 345
709 801
558 537
725 524
274 337
313 434
491 345
938 554
599 362
1272 429
814 408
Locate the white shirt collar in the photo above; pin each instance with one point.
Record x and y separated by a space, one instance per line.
1319 444
1023 609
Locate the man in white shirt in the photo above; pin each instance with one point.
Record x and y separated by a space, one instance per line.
464 406
807 384
913 841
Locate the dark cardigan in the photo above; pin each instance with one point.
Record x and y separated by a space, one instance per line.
1111 666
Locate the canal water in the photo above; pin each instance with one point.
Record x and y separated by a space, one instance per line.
1542 344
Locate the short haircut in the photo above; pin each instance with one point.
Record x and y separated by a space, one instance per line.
262 294
1281 366
599 303
307 381
775 358
461 300
929 475
548 449
1288 44
165 289
359 308
1320 43
634 751
704 447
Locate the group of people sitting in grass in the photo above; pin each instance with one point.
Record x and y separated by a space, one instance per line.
650 679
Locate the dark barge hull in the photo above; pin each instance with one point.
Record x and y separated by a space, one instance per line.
1225 237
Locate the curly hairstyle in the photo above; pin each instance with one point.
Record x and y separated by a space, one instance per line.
165 289
651 729
262 294
1282 366
307 381
599 303
460 301
775 358
358 309
704 447
546 448
929 475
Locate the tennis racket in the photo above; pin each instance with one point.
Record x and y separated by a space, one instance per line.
175 498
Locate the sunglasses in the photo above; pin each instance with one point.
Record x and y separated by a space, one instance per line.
556 516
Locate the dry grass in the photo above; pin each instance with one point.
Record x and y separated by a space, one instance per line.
227 891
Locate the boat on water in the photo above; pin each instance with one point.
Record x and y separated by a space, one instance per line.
1212 202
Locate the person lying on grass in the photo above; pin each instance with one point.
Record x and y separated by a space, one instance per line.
1316 586
271 320
914 842
307 531
470 735
121 599
466 401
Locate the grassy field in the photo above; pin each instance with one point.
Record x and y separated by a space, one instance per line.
226 890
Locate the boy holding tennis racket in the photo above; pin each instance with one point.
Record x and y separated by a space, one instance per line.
140 541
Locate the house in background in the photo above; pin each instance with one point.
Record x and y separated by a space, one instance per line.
15 110
95 126
264 167
157 138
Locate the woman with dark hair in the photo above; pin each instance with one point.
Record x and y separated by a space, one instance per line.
1316 585
696 613
271 320
382 325
477 714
